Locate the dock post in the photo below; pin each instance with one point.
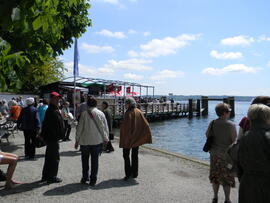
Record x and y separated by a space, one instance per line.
232 105
204 106
190 108
226 100
198 107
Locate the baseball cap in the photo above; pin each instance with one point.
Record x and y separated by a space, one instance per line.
55 94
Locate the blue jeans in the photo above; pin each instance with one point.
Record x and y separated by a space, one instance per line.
94 151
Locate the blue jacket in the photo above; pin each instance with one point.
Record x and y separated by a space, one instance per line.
29 119
41 112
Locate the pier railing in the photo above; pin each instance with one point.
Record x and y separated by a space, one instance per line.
156 110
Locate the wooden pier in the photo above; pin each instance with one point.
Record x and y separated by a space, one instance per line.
163 111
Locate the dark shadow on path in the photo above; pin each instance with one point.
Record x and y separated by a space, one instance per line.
37 156
66 189
70 153
117 183
22 188
9 147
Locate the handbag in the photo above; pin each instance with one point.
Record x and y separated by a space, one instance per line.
39 142
210 138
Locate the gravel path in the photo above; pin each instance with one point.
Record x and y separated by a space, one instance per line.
162 178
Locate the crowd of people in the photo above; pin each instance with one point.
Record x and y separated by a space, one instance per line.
246 155
49 121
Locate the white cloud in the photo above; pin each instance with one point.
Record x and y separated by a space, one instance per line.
131 76
268 64
167 74
146 33
130 64
238 40
226 55
132 53
264 38
233 68
165 46
108 33
130 31
88 71
94 49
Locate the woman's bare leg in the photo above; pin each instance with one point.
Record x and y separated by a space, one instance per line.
12 163
9 155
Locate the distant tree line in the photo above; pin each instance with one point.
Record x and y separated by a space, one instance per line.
32 34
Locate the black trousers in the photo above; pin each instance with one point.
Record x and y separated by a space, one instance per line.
29 143
131 168
94 151
52 159
67 130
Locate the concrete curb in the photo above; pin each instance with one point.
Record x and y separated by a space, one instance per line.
177 155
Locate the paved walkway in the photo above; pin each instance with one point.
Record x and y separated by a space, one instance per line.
162 178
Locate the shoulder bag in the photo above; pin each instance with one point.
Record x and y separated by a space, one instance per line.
209 141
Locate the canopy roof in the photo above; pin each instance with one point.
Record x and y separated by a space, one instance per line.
89 81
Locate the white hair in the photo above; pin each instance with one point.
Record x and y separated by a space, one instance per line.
259 112
29 101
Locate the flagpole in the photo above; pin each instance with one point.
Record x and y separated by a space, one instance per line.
75 73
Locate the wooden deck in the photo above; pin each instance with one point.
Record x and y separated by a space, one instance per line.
155 111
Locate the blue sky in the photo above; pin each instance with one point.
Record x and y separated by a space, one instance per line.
209 47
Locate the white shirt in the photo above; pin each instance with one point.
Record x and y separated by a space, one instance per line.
90 132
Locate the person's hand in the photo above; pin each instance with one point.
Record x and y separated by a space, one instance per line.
76 145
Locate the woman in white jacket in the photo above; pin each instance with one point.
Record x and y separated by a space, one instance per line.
92 131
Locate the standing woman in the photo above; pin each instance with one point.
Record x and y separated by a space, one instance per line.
224 133
253 157
29 122
108 114
134 132
66 117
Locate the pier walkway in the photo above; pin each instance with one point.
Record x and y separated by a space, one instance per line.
162 178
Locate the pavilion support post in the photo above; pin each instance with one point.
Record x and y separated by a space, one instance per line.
123 107
104 91
190 108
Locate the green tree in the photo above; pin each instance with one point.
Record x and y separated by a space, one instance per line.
38 30
50 70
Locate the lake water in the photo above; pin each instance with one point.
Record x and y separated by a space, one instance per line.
187 136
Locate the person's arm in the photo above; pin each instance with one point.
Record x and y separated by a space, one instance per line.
79 130
234 134
102 122
208 129
240 133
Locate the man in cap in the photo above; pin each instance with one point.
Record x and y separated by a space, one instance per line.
53 130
